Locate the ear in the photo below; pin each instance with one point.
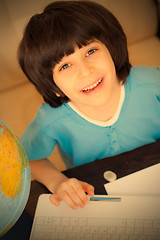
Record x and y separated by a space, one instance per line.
57 94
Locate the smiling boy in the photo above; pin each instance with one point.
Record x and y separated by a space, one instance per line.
96 104
88 78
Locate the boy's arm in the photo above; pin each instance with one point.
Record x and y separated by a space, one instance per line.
46 173
72 191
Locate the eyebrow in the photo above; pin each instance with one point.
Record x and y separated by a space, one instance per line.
92 41
89 42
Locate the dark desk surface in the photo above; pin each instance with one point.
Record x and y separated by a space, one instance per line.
92 173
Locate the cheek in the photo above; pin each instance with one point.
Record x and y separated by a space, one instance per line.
66 88
111 68
58 81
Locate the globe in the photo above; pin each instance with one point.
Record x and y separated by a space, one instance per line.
15 178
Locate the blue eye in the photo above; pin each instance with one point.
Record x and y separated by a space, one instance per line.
65 66
91 51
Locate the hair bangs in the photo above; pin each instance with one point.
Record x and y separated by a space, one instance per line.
72 32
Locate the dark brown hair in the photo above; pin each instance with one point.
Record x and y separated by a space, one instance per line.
55 32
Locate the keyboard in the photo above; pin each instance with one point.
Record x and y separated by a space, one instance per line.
83 228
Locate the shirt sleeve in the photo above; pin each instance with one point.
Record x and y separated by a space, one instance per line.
37 142
146 77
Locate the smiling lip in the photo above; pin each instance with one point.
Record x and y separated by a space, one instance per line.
92 87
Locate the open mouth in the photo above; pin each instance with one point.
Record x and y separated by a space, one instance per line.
92 87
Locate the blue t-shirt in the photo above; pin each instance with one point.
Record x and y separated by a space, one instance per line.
81 141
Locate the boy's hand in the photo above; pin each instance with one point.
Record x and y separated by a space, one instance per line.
72 191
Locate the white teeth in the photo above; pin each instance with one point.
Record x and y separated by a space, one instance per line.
92 86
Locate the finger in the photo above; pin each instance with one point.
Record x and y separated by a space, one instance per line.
88 188
68 200
77 194
54 200
70 187
75 191
80 189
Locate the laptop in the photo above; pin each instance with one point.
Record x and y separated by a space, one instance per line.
105 217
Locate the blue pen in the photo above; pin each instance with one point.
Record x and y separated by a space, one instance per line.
105 199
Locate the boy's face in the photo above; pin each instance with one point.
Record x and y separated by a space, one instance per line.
87 77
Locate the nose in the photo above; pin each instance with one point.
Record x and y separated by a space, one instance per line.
85 69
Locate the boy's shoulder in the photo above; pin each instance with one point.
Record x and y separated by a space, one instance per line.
48 115
143 75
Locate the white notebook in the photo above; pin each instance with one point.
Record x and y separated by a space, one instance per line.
116 218
143 182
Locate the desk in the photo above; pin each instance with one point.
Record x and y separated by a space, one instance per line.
92 173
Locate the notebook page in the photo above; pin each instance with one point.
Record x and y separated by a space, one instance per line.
143 182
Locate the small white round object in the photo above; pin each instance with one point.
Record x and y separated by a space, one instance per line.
110 176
